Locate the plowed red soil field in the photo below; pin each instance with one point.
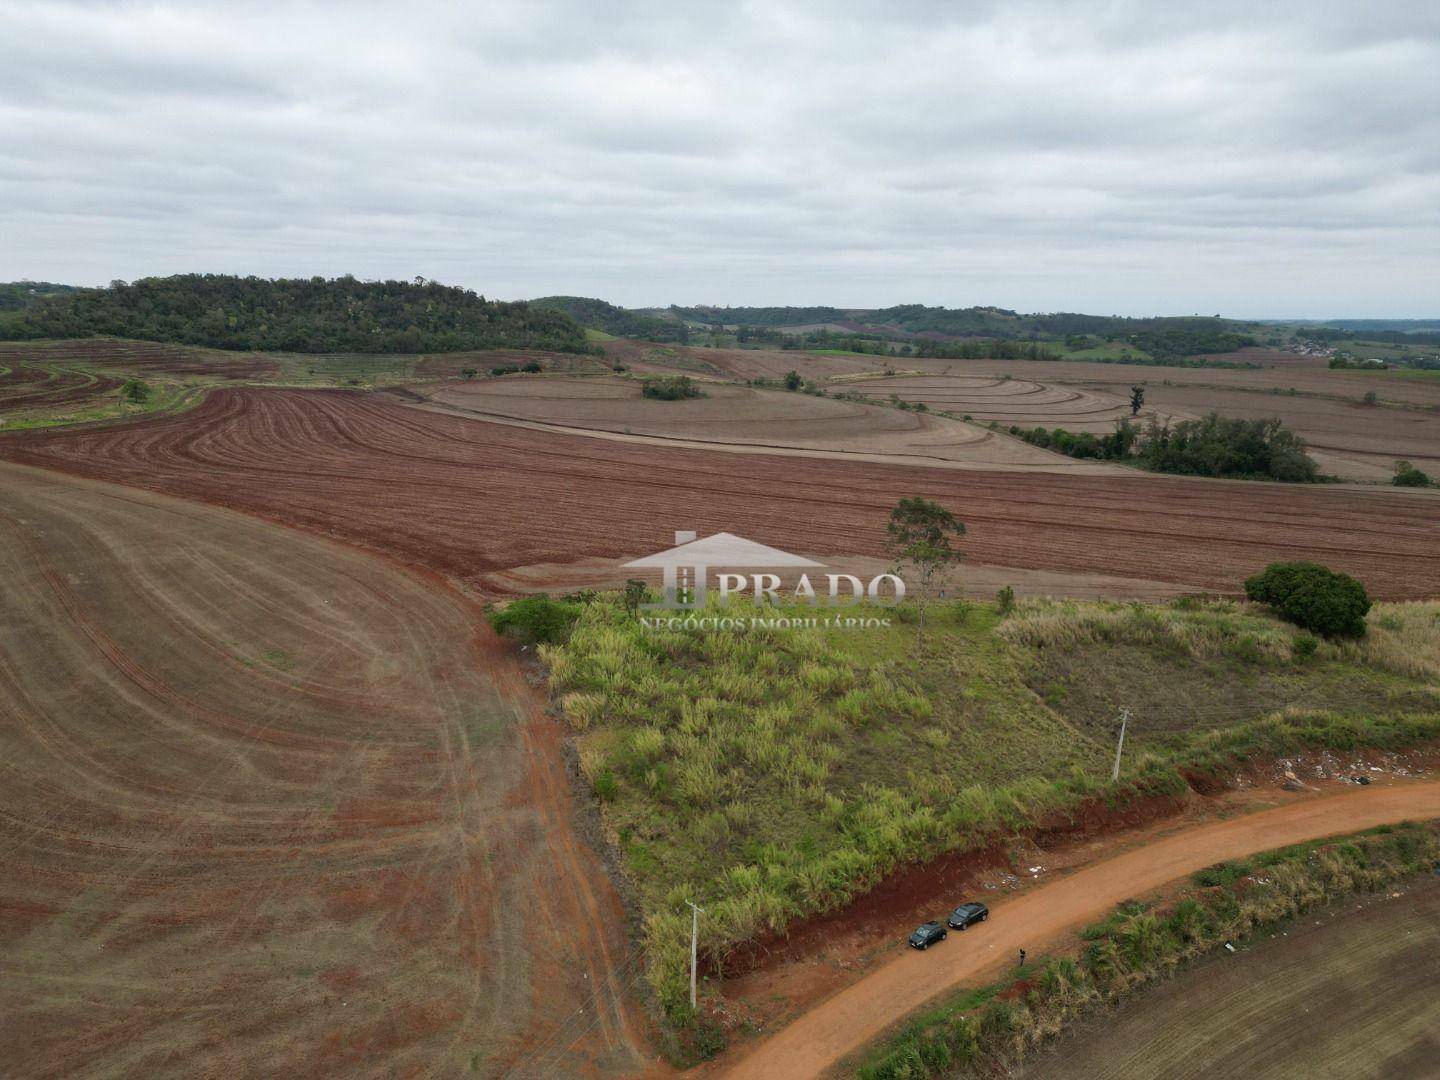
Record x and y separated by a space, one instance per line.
26 386
271 807
140 357
467 497
1008 401
741 415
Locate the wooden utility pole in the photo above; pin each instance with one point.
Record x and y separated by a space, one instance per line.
694 937
1115 772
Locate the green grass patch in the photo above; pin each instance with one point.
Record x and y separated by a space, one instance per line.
164 397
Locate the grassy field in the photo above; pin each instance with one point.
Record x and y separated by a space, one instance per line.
1108 350
773 774
166 396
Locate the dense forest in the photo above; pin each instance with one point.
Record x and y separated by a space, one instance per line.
1163 337
995 349
621 322
298 315
18 295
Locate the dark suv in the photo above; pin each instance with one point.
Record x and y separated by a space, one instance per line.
966 914
927 934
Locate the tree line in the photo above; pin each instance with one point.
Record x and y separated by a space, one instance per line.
1214 445
298 315
619 321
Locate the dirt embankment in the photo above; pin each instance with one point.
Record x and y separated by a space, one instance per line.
468 498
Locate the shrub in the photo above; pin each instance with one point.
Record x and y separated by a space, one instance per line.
1313 597
135 391
1305 645
1407 475
792 380
469 372
504 369
536 620
671 388
1223 446
531 367
1005 600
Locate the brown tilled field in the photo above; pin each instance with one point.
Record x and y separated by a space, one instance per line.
739 415
140 357
272 807
468 497
1401 387
453 365
742 363
28 386
1347 438
1008 401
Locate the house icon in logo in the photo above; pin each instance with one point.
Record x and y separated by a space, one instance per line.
686 565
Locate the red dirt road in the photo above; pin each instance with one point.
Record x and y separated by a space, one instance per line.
469 498
860 1014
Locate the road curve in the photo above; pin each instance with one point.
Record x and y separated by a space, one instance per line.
858 1015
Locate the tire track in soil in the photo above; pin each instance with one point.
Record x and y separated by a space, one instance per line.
170 832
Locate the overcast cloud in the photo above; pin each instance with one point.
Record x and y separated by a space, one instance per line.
1137 158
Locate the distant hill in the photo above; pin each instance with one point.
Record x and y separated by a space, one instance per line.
621 322
311 315
1160 337
18 295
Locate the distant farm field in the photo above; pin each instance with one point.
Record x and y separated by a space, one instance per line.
740 415
1348 992
467 497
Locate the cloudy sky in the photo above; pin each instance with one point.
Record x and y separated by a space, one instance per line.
1247 158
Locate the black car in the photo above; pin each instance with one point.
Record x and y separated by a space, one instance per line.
966 914
927 934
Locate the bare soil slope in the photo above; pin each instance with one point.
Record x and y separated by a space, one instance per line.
269 806
740 415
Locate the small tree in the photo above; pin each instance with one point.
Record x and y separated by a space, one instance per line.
1407 475
135 391
793 380
1312 597
920 535
469 372
1137 400
635 593
536 620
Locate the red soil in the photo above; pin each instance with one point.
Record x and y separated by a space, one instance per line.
141 356
467 497
25 386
